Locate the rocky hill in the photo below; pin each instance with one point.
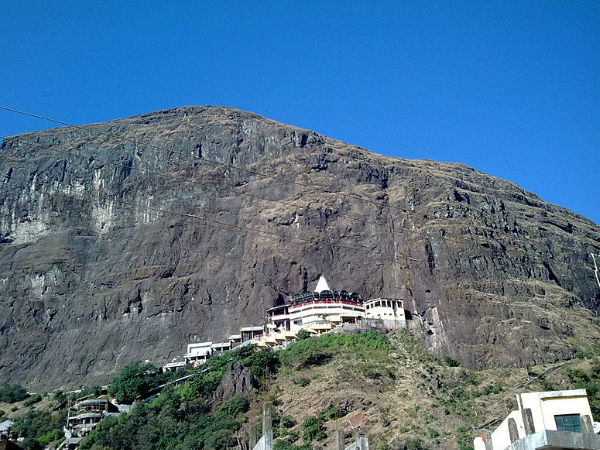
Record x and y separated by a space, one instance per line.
125 240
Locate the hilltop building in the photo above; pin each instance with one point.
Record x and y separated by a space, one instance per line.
389 311
545 420
320 311
324 309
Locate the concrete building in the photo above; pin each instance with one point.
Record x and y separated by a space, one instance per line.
5 429
198 353
545 420
85 415
235 340
319 310
248 333
220 347
389 311
173 366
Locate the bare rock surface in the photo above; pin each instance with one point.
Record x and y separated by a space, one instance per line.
237 380
125 240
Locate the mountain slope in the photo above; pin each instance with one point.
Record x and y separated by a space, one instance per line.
127 239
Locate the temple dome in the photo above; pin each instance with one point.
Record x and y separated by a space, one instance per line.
322 285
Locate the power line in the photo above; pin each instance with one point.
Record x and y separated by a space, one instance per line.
324 188
330 245
358 218
205 160
257 173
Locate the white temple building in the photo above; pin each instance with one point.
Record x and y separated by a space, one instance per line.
390 311
324 309
319 311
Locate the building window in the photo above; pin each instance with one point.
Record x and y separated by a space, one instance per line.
568 422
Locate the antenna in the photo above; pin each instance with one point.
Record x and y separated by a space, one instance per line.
596 270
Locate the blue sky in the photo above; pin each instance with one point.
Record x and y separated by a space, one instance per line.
511 88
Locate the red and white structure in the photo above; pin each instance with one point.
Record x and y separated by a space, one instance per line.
323 309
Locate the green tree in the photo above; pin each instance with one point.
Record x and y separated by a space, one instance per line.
134 381
11 393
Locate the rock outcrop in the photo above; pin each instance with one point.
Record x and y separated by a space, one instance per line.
237 380
125 240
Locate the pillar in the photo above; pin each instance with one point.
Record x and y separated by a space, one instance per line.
528 421
487 440
339 439
252 437
362 442
513 432
586 424
267 427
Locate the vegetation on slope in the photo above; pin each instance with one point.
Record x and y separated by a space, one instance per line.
183 416
411 399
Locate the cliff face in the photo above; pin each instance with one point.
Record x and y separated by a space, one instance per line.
126 240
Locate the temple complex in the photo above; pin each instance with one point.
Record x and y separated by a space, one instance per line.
320 311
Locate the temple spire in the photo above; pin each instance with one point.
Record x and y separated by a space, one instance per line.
322 285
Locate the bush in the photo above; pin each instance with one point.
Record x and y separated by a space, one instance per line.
32 400
382 446
333 413
319 350
285 444
302 381
450 362
409 444
11 393
433 433
40 428
60 398
185 416
134 381
464 439
314 429
287 421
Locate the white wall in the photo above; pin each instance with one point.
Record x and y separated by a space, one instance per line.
501 437
545 405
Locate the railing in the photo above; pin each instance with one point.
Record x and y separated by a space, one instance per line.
326 302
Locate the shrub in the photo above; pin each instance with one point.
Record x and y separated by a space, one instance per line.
11 393
134 381
32 400
285 444
450 362
319 350
463 438
302 381
287 421
314 429
40 428
333 413
382 446
60 398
